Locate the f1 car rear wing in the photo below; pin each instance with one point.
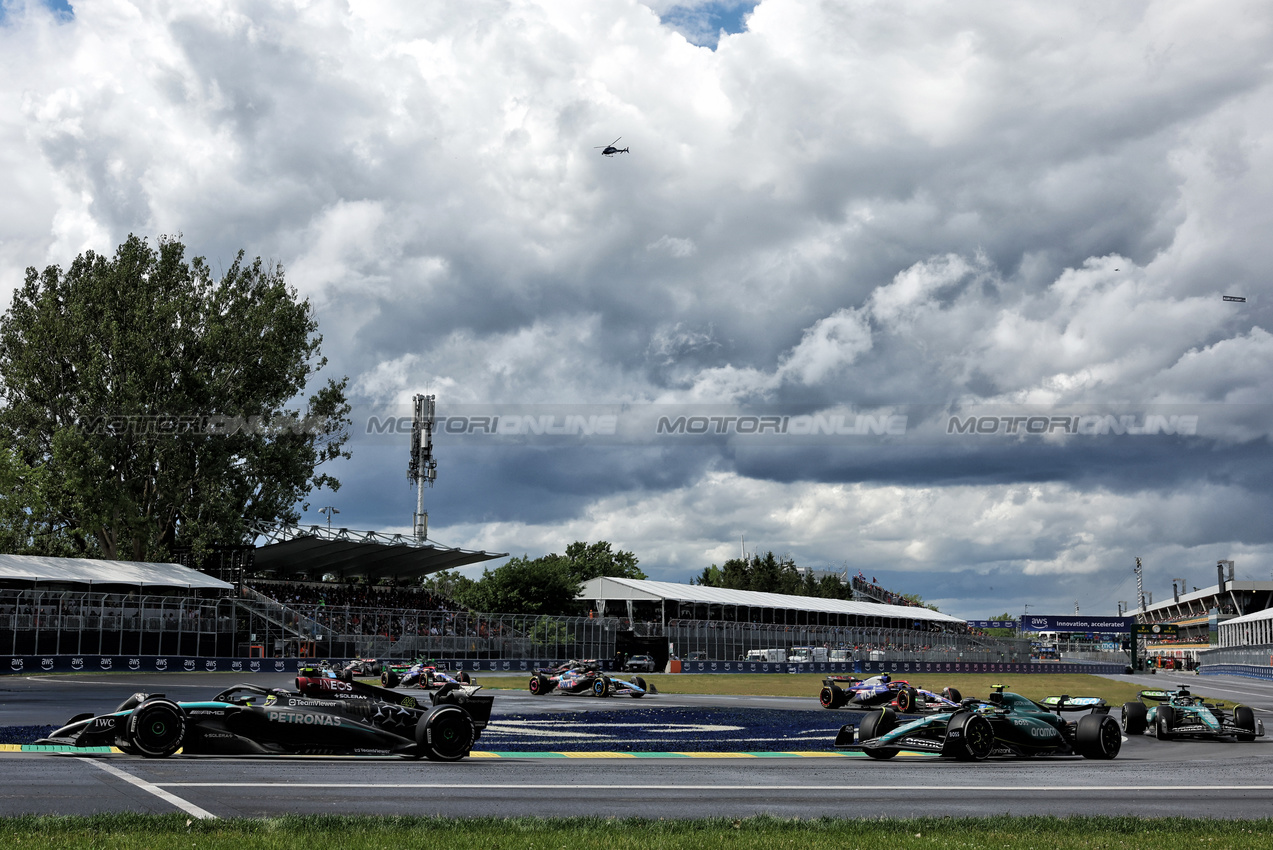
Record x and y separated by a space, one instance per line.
1069 703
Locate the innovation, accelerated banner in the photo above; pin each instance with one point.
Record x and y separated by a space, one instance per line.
1069 623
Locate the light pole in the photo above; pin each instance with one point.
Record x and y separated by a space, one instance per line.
329 510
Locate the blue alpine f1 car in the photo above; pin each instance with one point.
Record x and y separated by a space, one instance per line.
852 692
1006 724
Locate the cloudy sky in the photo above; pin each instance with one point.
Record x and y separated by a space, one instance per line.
927 290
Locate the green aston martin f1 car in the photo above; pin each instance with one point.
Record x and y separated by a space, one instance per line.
1180 714
1006 724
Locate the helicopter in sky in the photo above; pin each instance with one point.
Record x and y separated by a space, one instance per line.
610 149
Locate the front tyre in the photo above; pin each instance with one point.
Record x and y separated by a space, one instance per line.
969 737
1098 736
445 733
640 683
874 725
952 694
1165 719
1244 718
601 687
156 728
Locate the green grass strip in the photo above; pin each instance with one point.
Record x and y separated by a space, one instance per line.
128 831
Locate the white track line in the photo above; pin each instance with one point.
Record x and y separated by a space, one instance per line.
188 808
856 789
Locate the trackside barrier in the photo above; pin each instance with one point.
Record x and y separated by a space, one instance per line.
27 664
1250 671
895 667
186 664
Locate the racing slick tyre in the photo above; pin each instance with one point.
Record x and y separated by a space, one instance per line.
445 733
1163 722
463 677
976 737
952 694
875 724
389 679
539 684
640 683
831 697
156 728
906 699
1134 714
346 675
1098 736
601 687
1244 718
376 669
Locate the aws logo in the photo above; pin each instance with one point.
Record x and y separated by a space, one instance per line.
16 664
189 665
46 663
77 663
134 664
108 663
255 666
161 663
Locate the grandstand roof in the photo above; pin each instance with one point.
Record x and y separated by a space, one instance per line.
292 551
39 569
622 589
1266 614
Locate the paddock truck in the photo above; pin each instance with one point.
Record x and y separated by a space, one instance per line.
1181 714
324 716
1006 724
841 691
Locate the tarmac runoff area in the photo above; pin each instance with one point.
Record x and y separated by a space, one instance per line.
661 756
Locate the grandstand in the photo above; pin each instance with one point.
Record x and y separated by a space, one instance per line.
1201 617
722 624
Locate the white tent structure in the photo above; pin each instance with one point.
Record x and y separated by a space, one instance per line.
664 601
90 574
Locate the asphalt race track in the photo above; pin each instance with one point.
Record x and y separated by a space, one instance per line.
651 758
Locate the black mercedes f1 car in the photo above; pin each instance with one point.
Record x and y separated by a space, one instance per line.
323 716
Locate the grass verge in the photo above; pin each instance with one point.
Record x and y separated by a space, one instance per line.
1034 686
159 832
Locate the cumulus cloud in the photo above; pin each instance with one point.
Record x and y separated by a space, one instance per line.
900 209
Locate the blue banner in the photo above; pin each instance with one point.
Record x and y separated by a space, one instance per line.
1068 623
992 624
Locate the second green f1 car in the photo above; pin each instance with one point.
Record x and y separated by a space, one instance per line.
1006 724
1180 714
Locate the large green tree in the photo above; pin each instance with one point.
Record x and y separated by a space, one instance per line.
543 585
149 406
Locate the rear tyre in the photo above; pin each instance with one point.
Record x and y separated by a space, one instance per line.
156 728
601 687
376 669
445 733
1165 719
1098 736
640 683
539 684
1134 714
827 696
389 679
464 677
1244 718
906 700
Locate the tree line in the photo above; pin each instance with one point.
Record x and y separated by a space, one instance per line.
537 586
